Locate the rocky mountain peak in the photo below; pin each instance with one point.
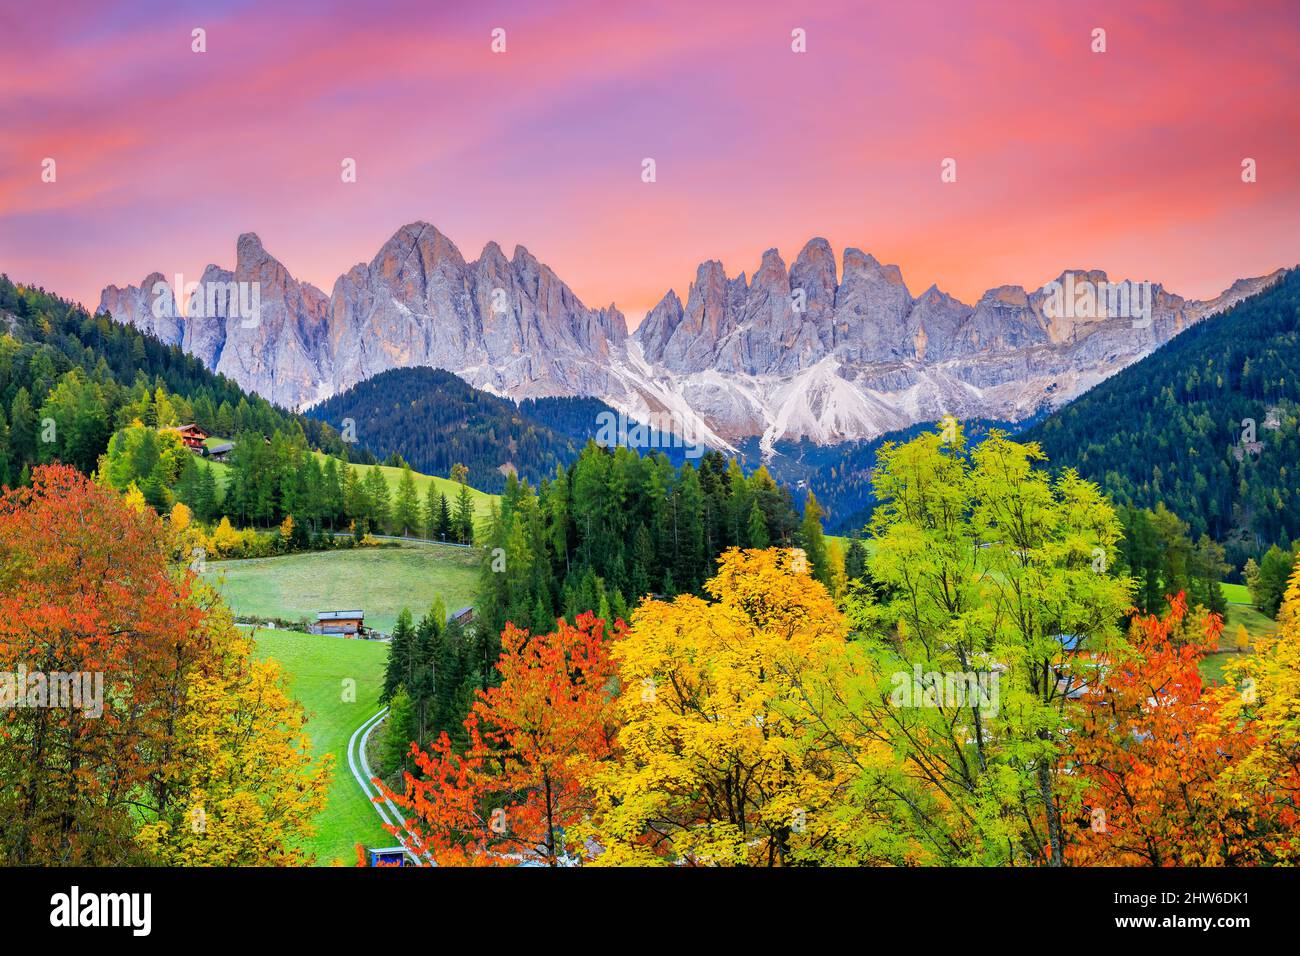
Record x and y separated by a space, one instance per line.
805 351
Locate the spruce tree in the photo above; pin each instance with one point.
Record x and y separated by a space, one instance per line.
465 516
406 508
443 527
813 542
401 648
757 528
399 731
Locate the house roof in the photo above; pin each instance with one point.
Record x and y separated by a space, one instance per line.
221 449
340 615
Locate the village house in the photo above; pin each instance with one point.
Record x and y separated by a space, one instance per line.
192 435
347 623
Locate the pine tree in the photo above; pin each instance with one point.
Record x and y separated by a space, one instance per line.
430 513
399 732
377 497
22 428
406 508
464 516
401 654
444 525
427 648
855 560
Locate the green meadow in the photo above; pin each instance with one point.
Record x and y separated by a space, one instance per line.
318 668
380 581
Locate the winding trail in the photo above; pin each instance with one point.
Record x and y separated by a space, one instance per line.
388 812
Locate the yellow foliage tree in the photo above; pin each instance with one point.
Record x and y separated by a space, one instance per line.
1243 639
835 558
246 788
721 762
181 517
1263 703
135 498
225 538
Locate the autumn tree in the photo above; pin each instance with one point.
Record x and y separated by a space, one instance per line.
517 793
992 591
1263 701
813 541
721 761
87 591
245 789
1150 765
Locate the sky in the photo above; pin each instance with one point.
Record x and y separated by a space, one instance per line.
1128 160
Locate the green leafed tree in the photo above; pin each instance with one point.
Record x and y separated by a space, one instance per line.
990 580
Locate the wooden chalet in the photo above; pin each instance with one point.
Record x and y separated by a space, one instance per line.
347 623
192 435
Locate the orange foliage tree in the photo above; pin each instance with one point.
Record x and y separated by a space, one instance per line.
134 725
517 790
1148 753
85 590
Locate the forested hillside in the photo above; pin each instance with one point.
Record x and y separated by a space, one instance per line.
1208 425
433 420
599 536
69 380
841 475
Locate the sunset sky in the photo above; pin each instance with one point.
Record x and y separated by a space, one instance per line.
1128 160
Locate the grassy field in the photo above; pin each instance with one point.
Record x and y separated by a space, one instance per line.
1257 623
380 581
1236 593
1211 666
316 667
1240 611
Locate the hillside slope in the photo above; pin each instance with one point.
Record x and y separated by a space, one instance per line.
1209 424
434 419
90 376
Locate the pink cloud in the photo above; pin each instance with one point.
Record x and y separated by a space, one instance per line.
1127 161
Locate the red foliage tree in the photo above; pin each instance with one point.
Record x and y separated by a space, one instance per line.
518 787
1147 754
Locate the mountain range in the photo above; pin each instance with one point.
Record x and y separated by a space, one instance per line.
823 350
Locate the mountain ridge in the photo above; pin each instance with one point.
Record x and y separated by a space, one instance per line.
824 350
